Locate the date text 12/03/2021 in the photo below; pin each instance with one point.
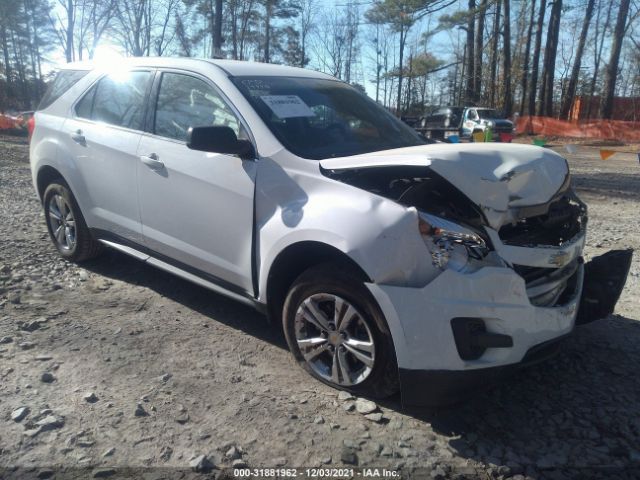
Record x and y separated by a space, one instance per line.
315 473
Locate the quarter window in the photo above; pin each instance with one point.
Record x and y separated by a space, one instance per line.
63 82
117 99
185 101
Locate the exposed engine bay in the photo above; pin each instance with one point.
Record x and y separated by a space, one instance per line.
554 224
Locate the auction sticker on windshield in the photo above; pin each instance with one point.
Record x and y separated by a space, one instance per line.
287 106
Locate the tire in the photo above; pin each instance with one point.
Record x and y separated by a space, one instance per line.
324 287
66 225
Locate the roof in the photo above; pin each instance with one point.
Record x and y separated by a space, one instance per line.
231 67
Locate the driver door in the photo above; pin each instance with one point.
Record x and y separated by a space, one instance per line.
196 207
470 121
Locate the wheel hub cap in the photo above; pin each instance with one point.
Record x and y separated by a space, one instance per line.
335 339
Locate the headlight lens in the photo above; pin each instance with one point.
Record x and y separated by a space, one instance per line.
450 244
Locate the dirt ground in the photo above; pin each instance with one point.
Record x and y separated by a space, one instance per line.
123 369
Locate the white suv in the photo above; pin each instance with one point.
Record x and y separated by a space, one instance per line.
390 263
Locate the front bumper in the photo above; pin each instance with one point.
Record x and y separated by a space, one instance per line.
434 388
432 372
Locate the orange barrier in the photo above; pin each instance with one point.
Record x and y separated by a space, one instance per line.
598 129
7 122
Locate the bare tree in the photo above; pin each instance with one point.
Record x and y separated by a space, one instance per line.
494 52
308 14
549 64
525 58
611 72
570 93
470 95
217 30
535 61
478 50
508 97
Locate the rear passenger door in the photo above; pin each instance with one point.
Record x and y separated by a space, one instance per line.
103 135
197 207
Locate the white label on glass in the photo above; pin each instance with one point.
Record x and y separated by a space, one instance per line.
287 106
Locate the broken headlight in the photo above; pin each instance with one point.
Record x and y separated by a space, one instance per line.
451 245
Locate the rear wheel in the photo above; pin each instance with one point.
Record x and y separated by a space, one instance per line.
66 225
337 333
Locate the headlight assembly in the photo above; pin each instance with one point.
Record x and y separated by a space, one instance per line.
450 244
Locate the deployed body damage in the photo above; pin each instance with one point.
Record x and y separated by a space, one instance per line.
520 295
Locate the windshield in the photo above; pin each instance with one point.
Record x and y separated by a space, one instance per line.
489 113
317 118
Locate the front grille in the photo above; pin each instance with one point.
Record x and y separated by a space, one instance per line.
550 287
565 218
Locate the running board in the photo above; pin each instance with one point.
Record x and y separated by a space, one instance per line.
181 273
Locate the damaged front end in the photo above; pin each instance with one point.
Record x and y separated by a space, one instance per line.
542 243
506 235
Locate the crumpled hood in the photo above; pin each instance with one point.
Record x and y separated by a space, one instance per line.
497 177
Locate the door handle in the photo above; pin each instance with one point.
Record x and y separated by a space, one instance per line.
78 137
153 161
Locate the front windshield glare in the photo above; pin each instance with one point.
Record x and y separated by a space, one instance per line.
318 118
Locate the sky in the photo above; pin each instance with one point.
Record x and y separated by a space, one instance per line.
442 43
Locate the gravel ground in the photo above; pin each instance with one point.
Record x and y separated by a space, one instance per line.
117 365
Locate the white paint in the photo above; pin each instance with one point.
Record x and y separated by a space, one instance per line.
295 202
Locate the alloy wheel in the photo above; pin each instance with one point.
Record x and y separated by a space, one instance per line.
335 339
62 222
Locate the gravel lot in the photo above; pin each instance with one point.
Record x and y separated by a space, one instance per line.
118 365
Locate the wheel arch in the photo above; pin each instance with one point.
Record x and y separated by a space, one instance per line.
46 174
292 261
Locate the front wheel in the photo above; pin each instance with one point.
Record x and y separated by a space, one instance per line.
337 333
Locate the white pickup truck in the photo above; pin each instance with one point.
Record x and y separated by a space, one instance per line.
464 122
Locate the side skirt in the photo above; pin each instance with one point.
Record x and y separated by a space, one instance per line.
183 271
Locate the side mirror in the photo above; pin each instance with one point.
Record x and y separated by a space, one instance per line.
219 140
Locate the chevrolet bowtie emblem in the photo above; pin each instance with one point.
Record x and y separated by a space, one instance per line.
559 259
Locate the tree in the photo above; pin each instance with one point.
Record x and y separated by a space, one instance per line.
143 25
611 72
401 15
577 62
508 97
549 65
535 61
26 36
64 27
244 25
281 9
525 58
470 95
308 13
217 31
494 52
478 49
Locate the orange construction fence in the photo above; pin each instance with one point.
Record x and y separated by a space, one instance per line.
598 129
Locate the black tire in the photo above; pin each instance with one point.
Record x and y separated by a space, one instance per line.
343 282
85 246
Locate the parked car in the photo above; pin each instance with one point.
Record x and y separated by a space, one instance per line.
465 121
388 263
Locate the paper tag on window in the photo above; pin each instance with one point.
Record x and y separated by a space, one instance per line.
287 106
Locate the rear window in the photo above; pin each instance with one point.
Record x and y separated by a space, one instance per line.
63 82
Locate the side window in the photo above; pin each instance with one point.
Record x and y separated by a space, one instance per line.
63 82
117 99
84 106
185 101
